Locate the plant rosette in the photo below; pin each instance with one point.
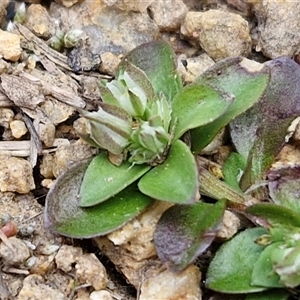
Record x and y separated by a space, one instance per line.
139 128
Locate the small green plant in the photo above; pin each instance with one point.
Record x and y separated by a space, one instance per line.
264 262
140 128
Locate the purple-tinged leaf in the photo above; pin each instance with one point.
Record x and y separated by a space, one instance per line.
245 80
63 214
185 231
259 133
284 186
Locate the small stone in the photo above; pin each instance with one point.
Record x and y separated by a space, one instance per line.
193 67
39 22
47 134
90 270
173 286
6 117
47 183
16 254
66 155
109 63
10 47
18 128
67 256
56 111
15 175
278 31
68 3
43 264
129 5
230 226
168 14
46 166
34 288
101 295
221 34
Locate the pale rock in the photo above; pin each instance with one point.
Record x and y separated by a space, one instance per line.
109 63
34 288
46 166
168 14
230 226
43 264
4 66
169 285
192 67
136 237
10 47
68 3
131 247
67 256
56 111
130 5
278 31
82 294
39 22
109 29
3 12
47 183
15 175
47 133
90 270
6 117
101 295
18 128
66 155
15 253
221 34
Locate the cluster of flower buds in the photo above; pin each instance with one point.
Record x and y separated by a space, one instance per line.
132 119
63 40
286 260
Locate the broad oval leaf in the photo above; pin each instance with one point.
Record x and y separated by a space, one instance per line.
244 79
259 133
185 231
231 269
176 179
275 214
196 105
276 294
102 180
157 60
263 273
63 214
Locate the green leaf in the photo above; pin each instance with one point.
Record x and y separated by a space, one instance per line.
196 105
284 186
63 214
263 273
157 60
242 78
185 231
259 133
233 169
275 214
276 294
103 180
231 269
176 179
